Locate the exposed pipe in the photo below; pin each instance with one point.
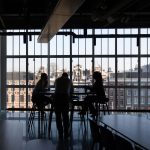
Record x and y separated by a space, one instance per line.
2 22
97 16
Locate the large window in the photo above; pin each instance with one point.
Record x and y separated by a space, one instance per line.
122 55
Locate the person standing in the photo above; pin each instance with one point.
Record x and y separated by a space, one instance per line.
62 96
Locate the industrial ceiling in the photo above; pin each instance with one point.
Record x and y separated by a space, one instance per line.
34 14
52 15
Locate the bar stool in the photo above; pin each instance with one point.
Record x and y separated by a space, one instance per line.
79 104
104 104
31 117
50 119
41 116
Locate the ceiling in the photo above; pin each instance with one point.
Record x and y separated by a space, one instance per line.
34 14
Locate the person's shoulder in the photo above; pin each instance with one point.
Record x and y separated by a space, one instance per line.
57 79
69 80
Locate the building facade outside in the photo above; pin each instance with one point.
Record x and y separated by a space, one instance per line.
127 91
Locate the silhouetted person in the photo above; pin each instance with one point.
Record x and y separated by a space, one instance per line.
97 94
38 96
63 91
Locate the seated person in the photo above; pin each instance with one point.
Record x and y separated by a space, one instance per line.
97 94
38 96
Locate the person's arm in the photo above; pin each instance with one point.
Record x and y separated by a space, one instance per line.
44 85
72 89
55 84
88 88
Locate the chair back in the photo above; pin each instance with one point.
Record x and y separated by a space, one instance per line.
106 100
121 142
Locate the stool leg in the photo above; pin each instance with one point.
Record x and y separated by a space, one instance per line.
104 109
39 123
45 124
98 109
31 118
71 118
42 122
50 121
83 120
107 108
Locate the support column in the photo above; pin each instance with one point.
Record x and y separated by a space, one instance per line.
2 73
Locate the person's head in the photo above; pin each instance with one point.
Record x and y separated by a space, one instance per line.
97 76
65 75
44 76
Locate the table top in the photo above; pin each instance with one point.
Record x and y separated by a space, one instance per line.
135 128
74 93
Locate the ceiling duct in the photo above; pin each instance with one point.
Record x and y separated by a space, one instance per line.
61 14
97 16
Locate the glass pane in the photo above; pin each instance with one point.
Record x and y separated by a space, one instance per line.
10 45
37 46
22 47
53 70
81 69
106 67
98 47
40 66
75 47
16 45
66 44
16 98
53 46
104 46
111 42
144 45
145 71
81 46
60 48
127 64
31 46
88 46
44 48
30 90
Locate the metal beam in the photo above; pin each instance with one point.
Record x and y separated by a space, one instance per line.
61 14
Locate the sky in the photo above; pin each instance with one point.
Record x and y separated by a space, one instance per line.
60 45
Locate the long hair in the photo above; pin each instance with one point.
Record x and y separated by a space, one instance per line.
65 75
44 76
97 76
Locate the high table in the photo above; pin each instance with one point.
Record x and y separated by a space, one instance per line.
135 128
76 101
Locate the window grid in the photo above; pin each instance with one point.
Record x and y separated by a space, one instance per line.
110 83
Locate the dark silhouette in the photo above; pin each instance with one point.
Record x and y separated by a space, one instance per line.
63 92
38 95
97 94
